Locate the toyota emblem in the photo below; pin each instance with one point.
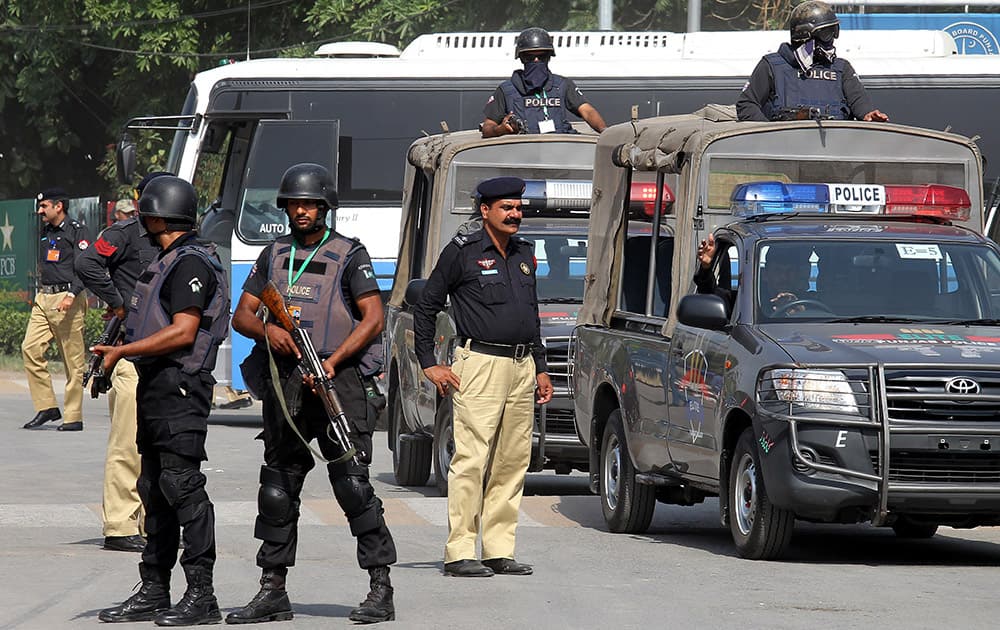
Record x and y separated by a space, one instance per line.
961 385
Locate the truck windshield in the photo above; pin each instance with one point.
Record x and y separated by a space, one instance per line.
910 278
562 264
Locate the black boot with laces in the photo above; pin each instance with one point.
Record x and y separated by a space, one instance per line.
152 598
269 604
378 605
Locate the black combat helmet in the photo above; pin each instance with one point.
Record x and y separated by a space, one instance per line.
170 198
534 39
307 181
813 19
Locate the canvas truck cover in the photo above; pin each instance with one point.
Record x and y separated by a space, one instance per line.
433 155
680 145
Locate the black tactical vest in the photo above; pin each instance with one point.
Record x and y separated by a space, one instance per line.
147 316
318 299
531 108
822 87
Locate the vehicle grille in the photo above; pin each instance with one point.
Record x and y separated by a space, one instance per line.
924 396
558 422
556 354
941 467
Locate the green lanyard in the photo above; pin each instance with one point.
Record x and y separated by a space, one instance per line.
291 263
545 107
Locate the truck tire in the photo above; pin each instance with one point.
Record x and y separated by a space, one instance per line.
627 505
760 530
444 446
906 528
411 459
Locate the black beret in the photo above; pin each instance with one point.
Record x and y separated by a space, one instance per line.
54 193
148 178
500 188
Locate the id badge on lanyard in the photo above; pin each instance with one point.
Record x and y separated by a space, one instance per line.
52 254
548 125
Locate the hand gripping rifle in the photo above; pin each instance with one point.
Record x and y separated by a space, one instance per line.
310 365
112 335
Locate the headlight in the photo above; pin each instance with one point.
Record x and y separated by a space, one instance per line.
807 390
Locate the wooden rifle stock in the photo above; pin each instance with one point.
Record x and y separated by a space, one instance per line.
311 365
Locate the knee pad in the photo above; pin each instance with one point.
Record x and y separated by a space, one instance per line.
277 504
361 507
184 490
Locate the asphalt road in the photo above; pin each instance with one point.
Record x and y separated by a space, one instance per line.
681 574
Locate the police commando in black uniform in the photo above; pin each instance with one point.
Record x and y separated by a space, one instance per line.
534 100
807 75
330 288
178 317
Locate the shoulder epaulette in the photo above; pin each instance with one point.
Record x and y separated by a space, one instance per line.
461 240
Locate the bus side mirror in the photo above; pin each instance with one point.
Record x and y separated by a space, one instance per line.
125 160
703 311
414 290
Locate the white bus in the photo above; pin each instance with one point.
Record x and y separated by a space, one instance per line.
356 108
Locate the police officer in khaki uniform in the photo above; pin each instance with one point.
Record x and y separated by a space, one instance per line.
109 270
330 287
57 314
499 364
178 316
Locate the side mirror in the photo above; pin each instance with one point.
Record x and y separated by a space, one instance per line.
703 311
414 290
125 159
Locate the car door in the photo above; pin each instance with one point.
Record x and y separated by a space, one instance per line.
698 361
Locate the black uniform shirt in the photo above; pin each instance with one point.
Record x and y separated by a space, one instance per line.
496 108
493 298
191 283
358 278
760 88
57 251
111 267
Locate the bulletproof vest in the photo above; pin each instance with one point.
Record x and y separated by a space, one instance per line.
822 87
317 300
147 316
531 107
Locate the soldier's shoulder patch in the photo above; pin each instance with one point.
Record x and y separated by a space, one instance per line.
461 240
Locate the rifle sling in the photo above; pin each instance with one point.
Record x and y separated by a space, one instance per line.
280 395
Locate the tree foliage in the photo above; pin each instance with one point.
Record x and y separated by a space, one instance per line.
72 72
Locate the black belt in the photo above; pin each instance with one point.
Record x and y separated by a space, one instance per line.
516 351
55 288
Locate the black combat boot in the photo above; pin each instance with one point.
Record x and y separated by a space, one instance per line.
198 606
153 597
269 604
378 606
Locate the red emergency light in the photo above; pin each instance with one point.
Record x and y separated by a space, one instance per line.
949 203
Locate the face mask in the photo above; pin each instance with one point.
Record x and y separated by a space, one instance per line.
804 55
536 75
825 52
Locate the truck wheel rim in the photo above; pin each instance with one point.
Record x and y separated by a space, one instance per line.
446 448
745 494
612 470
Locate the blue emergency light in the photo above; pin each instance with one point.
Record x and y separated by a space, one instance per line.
932 201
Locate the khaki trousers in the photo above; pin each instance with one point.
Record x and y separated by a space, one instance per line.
45 324
493 413
122 509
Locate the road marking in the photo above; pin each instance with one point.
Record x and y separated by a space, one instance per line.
415 511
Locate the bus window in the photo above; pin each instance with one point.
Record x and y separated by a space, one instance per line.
277 145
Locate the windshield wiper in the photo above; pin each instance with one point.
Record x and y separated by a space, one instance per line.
875 319
986 321
560 300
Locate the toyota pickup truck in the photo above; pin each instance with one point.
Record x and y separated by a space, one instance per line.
837 360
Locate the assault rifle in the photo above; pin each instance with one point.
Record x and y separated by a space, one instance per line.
804 113
311 366
112 335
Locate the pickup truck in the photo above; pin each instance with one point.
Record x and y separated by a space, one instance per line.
838 360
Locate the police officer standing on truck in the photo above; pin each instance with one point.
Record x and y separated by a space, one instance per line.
535 100
57 313
498 365
806 78
178 317
109 270
330 288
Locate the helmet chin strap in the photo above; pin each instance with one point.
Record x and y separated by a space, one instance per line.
320 224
